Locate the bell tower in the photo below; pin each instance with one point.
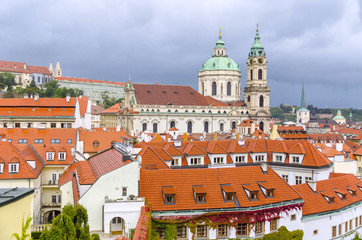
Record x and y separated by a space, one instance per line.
256 92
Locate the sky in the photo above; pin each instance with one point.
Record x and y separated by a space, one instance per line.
164 41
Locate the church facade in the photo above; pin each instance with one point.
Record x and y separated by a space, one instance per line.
216 106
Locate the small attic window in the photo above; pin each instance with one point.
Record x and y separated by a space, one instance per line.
175 92
330 200
191 93
164 92
254 196
269 193
95 144
148 91
229 193
168 195
228 65
353 192
199 194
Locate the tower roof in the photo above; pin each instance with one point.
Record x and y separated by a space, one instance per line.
257 49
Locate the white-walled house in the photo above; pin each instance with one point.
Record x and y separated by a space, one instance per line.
107 186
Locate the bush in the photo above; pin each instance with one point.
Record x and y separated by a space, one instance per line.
35 235
95 236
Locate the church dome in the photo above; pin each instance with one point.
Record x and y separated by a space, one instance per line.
220 60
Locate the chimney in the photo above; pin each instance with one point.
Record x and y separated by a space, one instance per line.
118 128
215 136
36 96
158 137
312 185
185 137
26 95
264 168
67 97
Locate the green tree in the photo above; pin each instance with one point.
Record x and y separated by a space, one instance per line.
50 88
72 223
24 229
7 81
284 234
109 102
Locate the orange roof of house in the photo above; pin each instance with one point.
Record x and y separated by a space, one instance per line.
38 69
114 109
358 152
103 138
315 203
258 134
143 222
22 67
331 152
183 182
247 123
326 137
86 80
10 154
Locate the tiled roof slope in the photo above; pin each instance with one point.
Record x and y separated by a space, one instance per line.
36 112
154 94
22 67
315 202
86 80
312 158
326 137
143 222
211 179
10 154
292 132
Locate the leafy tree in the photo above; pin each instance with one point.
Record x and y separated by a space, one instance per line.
284 234
72 223
50 88
7 81
24 229
109 102
276 113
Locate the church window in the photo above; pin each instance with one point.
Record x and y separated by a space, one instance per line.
144 127
229 65
172 124
228 89
155 127
249 98
221 127
251 74
233 125
260 74
260 53
261 101
203 88
218 52
261 126
206 127
214 89
189 127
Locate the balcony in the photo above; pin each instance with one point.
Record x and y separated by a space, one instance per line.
51 205
50 183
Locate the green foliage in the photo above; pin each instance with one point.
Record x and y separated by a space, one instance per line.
7 81
95 236
72 223
276 113
24 229
357 237
109 102
36 235
284 234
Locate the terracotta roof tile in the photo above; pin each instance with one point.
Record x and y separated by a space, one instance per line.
86 80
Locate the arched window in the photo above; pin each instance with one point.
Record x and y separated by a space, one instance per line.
251 74
144 126
206 127
260 74
189 127
172 124
155 127
221 127
203 88
261 126
261 101
214 89
228 89
233 125
249 98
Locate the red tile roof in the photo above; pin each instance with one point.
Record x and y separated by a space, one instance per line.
21 67
212 179
326 137
85 80
315 203
292 132
144 220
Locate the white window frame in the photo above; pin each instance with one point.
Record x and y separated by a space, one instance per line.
1 167
62 156
124 188
13 167
241 158
293 156
50 156
300 180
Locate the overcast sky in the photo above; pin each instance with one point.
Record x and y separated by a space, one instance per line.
318 41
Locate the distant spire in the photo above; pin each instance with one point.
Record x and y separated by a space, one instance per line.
220 36
302 102
257 28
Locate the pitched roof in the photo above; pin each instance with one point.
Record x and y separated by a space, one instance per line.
183 182
326 137
9 195
86 80
315 203
22 67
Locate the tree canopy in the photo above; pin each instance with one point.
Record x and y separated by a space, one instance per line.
109 102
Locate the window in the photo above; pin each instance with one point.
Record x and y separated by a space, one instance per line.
181 232
242 229
249 98
259 158
172 124
195 161
23 141
161 232
201 197
95 144
298 180
174 162
218 160
50 156
228 89
154 127
350 224
261 126
254 195
222 230
340 229
356 222
315 232
214 89
269 193
273 224
206 127
201 231
69 141
229 196
295 159
38 141
233 125
17 125
1 167
251 74
260 74
189 127
261 101
13 167
144 127
293 217
124 191
54 178
61 156
334 231
221 127
54 198
239 159
10 140
278 158
55 141
53 125
259 227
308 179
59 198
285 178
69 125
346 227
169 198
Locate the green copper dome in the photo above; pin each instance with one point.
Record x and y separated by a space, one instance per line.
339 116
220 61
257 49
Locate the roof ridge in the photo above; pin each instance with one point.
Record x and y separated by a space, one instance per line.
157 156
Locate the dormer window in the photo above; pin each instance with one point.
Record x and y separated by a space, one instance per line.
199 194
168 195
61 156
50 156
13 167
95 144
174 162
218 160
269 193
1 167
195 161
278 158
295 159
259 158
240 159
38 141
254 195
329 199
229 193
353 192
